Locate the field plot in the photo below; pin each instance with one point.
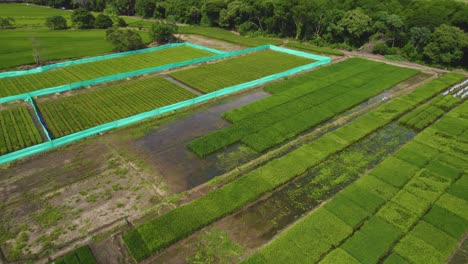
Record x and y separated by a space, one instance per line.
426 114
17 130
393 215
176 224
78 112
301 103
31 15
86 71
212 77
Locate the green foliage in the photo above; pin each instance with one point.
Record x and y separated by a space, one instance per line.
82 18
339 256
5 22
78 112
163 32
91 70
103 21
56 22
49 216
124 39
214 246
381 48
17 130
81 255
446 45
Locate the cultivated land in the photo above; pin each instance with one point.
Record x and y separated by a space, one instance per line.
355 162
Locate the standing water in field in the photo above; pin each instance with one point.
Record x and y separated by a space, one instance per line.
166 150
259 222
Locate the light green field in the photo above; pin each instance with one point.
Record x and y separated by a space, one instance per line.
31 15
17 45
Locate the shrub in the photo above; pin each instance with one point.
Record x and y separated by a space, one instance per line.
163 32
381 48
103 21
124 39
82 18
56 22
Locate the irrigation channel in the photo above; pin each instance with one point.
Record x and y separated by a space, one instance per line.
259 222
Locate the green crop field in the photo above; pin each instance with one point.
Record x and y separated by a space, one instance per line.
27 15
81 255
224 35
162 231
394 220
78 112
215 76
301 103
17 130
426 114
91 70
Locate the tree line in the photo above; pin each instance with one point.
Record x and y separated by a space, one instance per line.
431 31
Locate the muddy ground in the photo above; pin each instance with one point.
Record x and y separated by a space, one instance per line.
65 197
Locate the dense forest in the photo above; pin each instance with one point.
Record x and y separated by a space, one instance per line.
431 31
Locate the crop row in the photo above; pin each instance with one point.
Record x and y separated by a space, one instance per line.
176 224
81 111
215 76
81 255
426 114
363 223
91 70
17 130
273 120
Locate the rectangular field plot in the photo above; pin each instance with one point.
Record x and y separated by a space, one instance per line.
75 73
300 103
212 77
17 130
81 111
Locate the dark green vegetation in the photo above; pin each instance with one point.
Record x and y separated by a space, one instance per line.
301 103
426 114
160 232
80 255
78 112
17 130
91 70
212 77
391 208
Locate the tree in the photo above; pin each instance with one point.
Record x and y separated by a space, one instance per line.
6 22
124 39
82 18
446 45
103 21
163 32
56 22
354 25
145 8
419 36
211 11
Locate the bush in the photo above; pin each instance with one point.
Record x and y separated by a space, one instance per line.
247 28
56 22
381 48
163 33
6 22
82 18
124 39
103 21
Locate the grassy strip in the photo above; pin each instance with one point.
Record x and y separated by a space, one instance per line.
286 114
92 70
211 77
80 255
182 221
314 49
228 36
85 110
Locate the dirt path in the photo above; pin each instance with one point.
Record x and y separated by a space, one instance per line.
210 43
